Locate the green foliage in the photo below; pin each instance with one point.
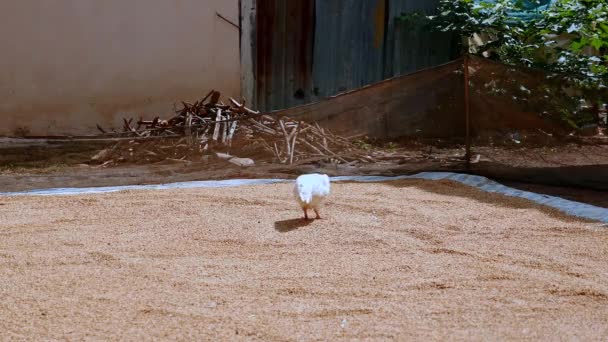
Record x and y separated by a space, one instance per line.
568 37
585 23
535 43
363 144
391 146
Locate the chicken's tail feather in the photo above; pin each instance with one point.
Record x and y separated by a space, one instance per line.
306 198
305 194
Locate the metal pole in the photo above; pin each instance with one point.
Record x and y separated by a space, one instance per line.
467 112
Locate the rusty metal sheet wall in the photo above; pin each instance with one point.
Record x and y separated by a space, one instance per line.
413 47
283 53
349 45
308 50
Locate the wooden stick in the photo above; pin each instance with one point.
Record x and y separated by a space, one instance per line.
216 131
286 137
126 125
242 108
207 96
265 116
177 160
303 141
225 130
238 106
278 154
128 128
293 143
204 137
261 125
215 97
320 133
333 154
231 134
188 129
101 129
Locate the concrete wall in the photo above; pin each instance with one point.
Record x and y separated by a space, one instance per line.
69 64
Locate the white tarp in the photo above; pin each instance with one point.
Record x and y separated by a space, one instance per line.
569 207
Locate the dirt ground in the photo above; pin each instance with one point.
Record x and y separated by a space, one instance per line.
401 260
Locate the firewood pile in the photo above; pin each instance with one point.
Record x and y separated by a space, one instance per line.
201 119
209 126
291 141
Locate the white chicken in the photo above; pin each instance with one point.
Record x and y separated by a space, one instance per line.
310 190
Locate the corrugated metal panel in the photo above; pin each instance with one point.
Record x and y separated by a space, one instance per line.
308 50
247 23
349 44
413 47
283 53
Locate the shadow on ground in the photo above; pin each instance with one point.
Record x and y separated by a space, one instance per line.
453 188
287 226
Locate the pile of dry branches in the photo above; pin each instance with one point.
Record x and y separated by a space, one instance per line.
208 116
292 141
209 125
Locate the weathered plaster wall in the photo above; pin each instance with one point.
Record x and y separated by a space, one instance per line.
69 64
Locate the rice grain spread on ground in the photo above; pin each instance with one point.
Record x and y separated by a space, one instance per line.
410 259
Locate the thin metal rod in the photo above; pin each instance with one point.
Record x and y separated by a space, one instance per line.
228 21
467 112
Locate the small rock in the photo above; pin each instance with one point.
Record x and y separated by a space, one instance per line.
105 164
343 323
101 155
515 137
242 161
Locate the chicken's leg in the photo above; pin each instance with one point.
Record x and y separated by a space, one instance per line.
305 213
316 212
